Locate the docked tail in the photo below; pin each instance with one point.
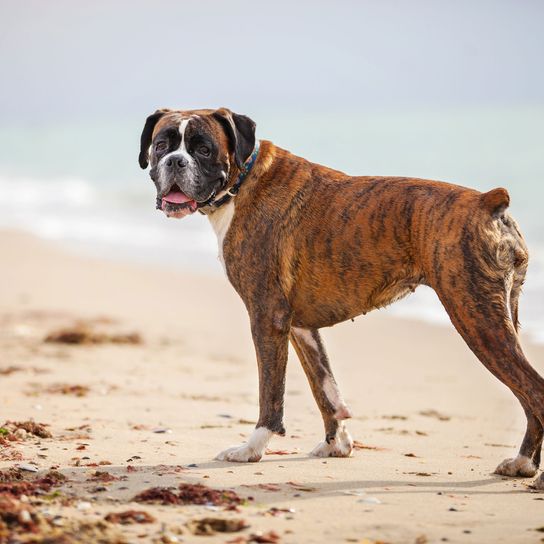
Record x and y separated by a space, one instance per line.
496 200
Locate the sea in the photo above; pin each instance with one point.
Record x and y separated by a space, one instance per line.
78 182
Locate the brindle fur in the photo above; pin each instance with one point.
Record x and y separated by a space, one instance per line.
309 247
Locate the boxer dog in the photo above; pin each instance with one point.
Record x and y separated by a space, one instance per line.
307 247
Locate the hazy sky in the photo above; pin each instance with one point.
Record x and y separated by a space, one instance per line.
69 60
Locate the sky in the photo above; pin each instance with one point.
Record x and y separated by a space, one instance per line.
73 60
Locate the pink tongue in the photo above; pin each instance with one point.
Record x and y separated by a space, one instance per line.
176 197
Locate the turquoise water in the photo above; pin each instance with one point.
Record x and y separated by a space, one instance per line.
80 183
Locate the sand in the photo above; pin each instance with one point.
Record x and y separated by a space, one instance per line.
433 422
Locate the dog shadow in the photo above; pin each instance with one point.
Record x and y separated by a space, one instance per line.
331 488
170 476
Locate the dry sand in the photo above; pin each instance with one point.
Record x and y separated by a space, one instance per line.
423 477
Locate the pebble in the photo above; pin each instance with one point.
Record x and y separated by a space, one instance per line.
24 516
83 505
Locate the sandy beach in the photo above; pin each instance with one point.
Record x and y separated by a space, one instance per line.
166 378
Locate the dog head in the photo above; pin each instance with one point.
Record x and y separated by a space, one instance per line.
194 155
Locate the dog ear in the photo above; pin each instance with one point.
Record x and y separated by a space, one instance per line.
240 130
146 137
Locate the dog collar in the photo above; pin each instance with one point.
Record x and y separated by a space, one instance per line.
233 191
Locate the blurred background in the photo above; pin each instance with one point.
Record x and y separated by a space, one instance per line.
449 90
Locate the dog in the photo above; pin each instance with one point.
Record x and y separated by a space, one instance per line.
306 246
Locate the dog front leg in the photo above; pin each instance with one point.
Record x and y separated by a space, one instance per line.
270 337
312 355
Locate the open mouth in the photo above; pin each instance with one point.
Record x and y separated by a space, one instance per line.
177 203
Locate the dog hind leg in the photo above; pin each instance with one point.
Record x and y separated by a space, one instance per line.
484 321
527 461
477 266
314 360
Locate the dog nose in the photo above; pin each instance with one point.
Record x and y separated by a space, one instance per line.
176 162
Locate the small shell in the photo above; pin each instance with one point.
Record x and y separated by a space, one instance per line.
28 468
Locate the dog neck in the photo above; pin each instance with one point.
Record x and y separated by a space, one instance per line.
228 194
221 218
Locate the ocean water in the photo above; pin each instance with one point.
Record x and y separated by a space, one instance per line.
79 183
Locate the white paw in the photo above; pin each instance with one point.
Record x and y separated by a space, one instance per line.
240 454
340 446
250 452
519 466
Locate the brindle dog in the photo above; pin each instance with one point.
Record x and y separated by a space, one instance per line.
307 247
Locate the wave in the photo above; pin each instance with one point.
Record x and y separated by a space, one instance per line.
101 218
30 192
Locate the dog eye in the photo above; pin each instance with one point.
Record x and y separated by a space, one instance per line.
160 147
204 150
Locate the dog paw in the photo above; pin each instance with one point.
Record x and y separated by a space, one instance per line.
538 484
520 466
250 452
240 454
340 446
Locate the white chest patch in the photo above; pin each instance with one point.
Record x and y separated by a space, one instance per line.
221 220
